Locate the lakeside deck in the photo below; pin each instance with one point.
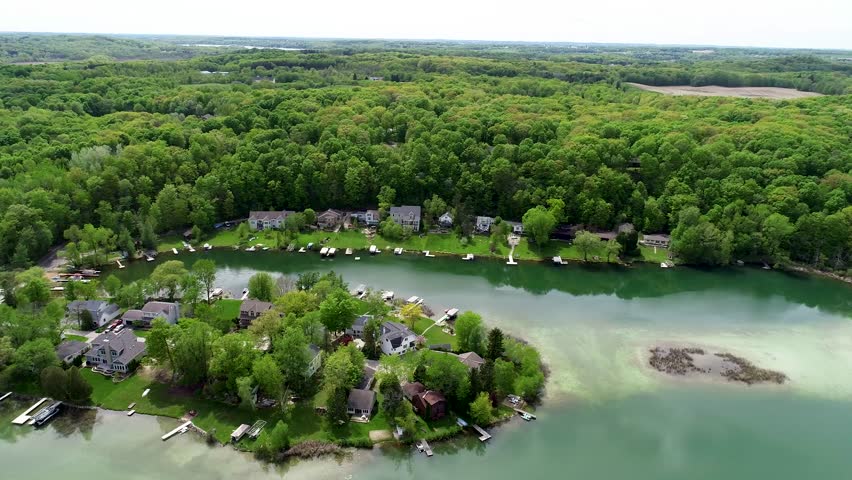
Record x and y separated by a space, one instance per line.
25 417
176 431
483 435
5 396
425 448
522 412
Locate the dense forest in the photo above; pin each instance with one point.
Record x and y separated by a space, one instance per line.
153 146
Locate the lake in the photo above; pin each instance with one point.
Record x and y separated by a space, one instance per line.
606 415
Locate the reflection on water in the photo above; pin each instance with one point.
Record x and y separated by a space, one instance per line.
606 414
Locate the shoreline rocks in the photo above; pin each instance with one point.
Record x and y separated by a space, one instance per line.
683 361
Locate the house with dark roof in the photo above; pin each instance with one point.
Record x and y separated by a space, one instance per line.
357 328
115 352
70 350
366 217
397 339
170 312
429 404
406 215
102 312
361 403
330 219
250 310
263 220
483 223
657 240
446 220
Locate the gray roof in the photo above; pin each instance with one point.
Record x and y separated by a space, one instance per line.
395 333
254 306
471 359
361 399
159 307
268 215
92 305
315 350
70 347
405 210
658 237
361 321
125 341
133 315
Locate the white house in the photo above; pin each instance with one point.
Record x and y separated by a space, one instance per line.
446 220
483 224
407 216
368 217
397 339
659 240
357 328
266 220
102 312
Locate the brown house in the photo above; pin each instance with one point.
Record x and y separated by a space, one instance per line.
330 219
429 404
251 309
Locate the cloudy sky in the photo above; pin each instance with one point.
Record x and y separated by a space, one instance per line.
767 23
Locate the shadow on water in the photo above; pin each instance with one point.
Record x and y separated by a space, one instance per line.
638 281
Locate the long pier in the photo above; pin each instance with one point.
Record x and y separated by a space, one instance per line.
25 417
4 397
483 435
176 431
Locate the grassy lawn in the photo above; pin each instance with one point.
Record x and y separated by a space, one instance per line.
75 338
227 309
446 243
303 422
434 335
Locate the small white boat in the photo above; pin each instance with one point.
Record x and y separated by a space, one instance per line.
146 392
323 251
468 257
348 251
265 249
174 250
130 413
149 258
207 246
387 295
374 250
357 258
664 265
397 251
302 250
331 252
251 249
191 250
526 416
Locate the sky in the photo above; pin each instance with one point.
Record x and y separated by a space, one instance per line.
763 23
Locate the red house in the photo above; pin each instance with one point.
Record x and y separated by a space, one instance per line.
429 404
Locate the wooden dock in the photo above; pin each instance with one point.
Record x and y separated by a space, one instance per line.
25 417
523 412
5 396
130 413
483 435
426 448
176 431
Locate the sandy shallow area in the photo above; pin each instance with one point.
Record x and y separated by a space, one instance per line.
716 91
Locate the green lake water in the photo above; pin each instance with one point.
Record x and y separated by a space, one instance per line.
605 414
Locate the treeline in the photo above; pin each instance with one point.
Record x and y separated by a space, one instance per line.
28 47
141 148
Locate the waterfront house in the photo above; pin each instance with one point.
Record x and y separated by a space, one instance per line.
483 224
361 403
397 339
366 217
368 376
315 360
330 219
70 350
375 79
170 312
656 240
115 352
263 220
429 404
250 310
471 360
102 312
515 227
407 216
357 328
446 220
